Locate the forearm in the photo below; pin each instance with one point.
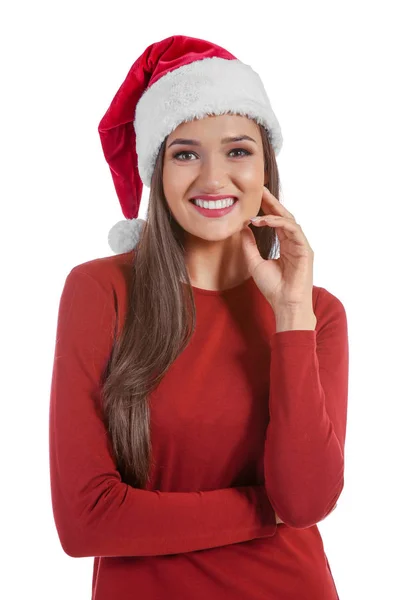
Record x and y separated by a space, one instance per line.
295 319
290 320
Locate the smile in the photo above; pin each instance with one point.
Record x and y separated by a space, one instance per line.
213 212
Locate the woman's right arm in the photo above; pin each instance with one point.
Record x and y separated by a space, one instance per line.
96 514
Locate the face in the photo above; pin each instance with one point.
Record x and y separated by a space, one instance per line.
206 164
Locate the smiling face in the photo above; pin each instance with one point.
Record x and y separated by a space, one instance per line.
208 164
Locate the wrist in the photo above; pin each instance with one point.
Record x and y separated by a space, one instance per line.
290 319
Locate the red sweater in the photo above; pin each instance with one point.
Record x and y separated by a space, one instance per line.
247 422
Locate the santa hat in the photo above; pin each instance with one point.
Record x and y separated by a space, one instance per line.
175 80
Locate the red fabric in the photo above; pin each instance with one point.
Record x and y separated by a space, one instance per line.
242 410
117 134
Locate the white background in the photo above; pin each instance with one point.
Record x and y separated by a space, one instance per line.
331 73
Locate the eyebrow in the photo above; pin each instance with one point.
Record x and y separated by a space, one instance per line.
225 140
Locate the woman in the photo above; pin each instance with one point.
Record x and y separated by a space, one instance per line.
199 392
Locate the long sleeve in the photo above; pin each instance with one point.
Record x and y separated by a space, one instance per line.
304 446
96 514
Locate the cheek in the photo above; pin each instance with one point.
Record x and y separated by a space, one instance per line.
173 193
251 174
176 189
175 178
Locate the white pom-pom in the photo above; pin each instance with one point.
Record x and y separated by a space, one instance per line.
124 235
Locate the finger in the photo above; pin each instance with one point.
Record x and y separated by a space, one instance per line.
250 249
273 206
290 228
276 221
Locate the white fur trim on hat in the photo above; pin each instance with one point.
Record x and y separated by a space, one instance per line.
124 235
211 86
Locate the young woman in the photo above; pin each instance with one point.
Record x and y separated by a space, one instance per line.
199 392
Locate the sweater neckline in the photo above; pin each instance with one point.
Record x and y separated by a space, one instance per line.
246 283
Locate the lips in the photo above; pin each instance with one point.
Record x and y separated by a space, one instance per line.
214 212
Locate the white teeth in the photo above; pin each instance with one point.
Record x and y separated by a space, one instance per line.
214 204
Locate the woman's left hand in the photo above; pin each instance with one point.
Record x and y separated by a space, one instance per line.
287 281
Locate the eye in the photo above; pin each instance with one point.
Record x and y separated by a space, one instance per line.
246 152
180 153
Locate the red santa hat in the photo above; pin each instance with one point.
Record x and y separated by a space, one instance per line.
175 80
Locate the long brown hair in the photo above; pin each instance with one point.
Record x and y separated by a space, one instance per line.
159 324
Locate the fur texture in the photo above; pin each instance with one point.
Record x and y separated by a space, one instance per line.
124 235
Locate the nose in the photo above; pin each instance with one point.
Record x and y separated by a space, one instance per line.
212 175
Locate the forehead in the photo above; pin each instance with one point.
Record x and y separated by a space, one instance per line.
216 127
